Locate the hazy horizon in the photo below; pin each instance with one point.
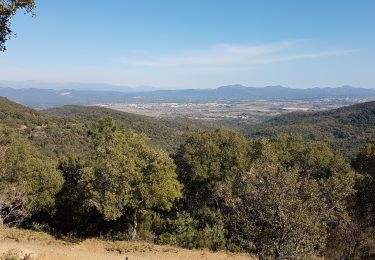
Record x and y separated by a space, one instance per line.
101 86
195 44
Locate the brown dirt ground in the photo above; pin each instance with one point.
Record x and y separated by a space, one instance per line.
42 246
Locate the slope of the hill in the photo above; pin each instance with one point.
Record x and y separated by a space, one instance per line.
53 135
164 133
345 129
14 114
64 130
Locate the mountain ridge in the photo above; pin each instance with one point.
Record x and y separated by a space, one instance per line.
45 98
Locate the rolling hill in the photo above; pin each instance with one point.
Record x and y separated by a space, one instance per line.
53 135
60 130
345 129
164 133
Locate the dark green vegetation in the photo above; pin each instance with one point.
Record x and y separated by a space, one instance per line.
346 129
164 133
52 135
92 171
29 180
62 130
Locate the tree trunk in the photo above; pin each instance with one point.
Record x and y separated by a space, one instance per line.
1 217
135 225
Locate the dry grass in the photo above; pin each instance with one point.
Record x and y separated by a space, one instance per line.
14 254
41 246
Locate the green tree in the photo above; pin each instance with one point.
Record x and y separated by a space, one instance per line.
283 213
314 160
8 9
71 215
128 175
364 164
28 180
294 194
208 163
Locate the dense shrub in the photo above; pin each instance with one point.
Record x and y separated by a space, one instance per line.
28 180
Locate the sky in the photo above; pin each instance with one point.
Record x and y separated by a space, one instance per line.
195 43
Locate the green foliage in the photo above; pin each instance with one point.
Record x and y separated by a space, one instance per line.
163 133
53 136
345 129
279 197
28 180
364 164
349 241
212 237
208 163
70 211
8 8
286 215
127 175
183 230
294 193
61 131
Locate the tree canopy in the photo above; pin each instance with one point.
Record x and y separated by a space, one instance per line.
127 175
279 197
28 180
293 194
364 164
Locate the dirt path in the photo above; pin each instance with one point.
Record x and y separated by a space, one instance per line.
44 247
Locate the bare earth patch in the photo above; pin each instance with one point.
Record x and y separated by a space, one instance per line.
42 246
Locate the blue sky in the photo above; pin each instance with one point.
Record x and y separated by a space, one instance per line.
195 43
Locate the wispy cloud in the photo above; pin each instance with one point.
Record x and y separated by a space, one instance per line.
231 55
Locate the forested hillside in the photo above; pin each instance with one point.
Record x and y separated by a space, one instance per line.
346 129
165 133
90 171
55 136
59 130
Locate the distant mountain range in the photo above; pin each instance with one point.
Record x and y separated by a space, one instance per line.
44 98
242 93
73 85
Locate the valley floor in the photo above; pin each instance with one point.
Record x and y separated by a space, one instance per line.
42 246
